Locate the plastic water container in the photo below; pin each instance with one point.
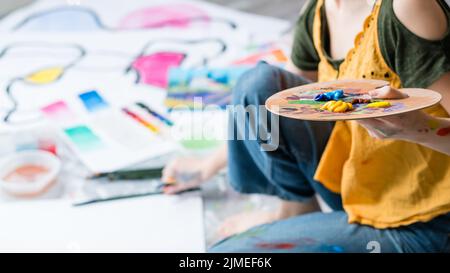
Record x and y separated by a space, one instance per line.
29 173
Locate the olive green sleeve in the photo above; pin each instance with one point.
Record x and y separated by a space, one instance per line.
304 54
417 61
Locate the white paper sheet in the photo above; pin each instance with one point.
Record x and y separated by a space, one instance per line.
148 224
53 50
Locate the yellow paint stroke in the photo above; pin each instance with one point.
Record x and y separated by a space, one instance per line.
433 124
45 76
379 104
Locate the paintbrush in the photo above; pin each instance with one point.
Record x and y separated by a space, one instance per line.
120 197
130 175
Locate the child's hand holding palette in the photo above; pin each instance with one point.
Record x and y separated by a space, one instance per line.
346 100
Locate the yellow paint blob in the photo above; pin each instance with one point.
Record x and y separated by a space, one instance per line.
337 106
379 104
45 76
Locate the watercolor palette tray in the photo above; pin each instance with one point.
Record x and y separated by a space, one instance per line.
302 102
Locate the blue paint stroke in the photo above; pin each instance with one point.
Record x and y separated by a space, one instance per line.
93 101
62 19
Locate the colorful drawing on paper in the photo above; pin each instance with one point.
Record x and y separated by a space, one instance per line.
345 100
46 68
210 85
49 62
151 66
50 65
62 19
174 15
273 56
152 69
179 16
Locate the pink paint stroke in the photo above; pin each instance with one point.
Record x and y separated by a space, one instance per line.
175 15
58 111
153 69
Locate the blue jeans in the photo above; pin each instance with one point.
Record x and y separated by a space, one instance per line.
287 172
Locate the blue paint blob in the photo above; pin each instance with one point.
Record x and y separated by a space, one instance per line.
332 95
321 97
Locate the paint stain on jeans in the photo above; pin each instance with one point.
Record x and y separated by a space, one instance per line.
276 245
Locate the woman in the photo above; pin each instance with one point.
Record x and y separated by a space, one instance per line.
387 179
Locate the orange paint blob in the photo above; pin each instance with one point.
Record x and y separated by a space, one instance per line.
26 174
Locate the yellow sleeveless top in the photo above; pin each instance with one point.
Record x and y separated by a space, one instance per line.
383 183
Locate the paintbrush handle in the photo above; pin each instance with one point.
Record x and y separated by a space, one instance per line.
93 201
131 175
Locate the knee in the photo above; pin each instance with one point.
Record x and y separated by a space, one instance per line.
256 85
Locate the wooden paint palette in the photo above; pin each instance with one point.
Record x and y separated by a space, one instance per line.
299 103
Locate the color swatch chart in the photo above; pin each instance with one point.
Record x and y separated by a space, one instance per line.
107 137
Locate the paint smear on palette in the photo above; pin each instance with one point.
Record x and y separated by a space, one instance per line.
93 101
286 110
443 131
293 97
394 107
305 102
153 69
175 15
84 138
58 111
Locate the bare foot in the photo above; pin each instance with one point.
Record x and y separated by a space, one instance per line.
241 222
245 220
